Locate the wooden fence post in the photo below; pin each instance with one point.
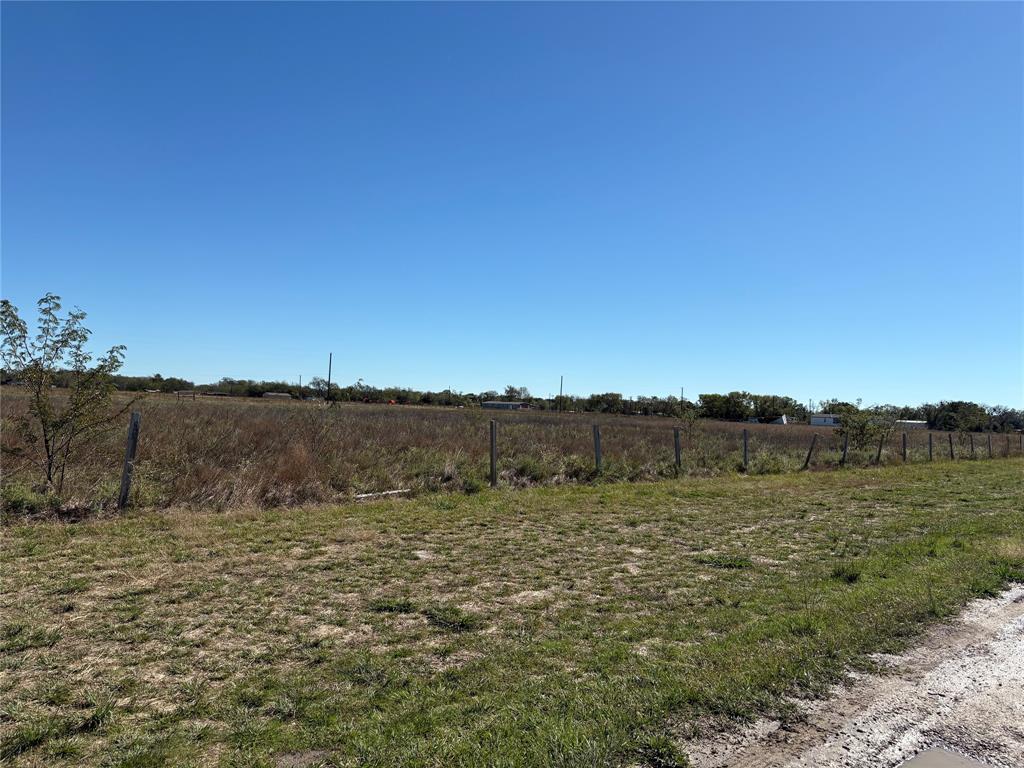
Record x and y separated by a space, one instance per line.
904 447
930 446
129 459
494 453
878 455
951 456
746 450
679 449
810 451
846 448
597 448
990 445
1007 445
970 437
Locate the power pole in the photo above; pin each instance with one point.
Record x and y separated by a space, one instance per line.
330 361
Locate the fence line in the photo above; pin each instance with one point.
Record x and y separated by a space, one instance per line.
677 446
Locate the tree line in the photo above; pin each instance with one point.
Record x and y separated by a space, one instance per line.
952 415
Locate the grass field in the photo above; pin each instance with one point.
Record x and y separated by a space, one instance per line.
230 453
569 626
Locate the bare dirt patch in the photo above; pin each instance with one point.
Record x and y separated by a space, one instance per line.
961 689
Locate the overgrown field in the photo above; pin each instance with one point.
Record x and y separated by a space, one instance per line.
574 626
233 453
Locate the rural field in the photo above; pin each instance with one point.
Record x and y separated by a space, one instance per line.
589 625
229 453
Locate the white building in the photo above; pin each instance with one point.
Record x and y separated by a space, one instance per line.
825 420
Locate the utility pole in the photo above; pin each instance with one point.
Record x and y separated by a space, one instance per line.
330 361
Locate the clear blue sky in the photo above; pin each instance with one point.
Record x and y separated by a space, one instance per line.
808 199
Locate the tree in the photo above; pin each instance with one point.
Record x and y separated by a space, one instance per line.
57 353
735 406
868 426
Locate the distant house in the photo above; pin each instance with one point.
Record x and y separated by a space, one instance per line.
282 395
501 405
825 419
911 424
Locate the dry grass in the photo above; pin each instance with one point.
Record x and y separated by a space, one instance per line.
551 626
237 453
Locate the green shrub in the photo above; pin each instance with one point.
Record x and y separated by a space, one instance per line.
19 499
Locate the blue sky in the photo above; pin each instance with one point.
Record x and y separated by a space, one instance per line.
808 199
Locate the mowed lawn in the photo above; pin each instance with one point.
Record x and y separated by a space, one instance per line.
575 626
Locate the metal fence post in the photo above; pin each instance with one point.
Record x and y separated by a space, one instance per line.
597 448
930 454
904 447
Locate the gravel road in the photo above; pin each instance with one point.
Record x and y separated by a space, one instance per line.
961 689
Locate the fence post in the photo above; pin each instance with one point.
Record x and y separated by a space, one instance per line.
878 455
846 447
494 453
1007 445
129 459
904 447
990 445
597 448
970 438
679 449
951 456
929 446
746 450
814 440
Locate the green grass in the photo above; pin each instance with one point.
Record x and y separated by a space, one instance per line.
575 626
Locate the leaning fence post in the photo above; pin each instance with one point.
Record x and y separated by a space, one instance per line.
129 459
878 456
597 448
951 456
679 449
990 445
494 454
930 446
904 447
846 447
814 440
746 450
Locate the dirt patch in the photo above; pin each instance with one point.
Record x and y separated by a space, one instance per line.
961 689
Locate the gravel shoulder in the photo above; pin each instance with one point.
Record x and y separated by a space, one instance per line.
961 689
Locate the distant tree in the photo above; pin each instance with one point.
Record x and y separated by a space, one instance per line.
734 406
957 415
59 422
516 393
838 407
